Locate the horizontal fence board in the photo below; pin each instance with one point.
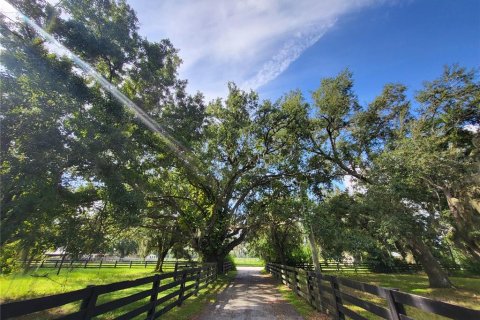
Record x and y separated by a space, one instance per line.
135 312
167 297
169 285
14 309
107 288
369 306
190 286
188 295
438 307
118 303
350 313
166 309
365 287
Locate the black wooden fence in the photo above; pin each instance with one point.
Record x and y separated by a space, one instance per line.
227 266
67 263
363 267
339 296
153 297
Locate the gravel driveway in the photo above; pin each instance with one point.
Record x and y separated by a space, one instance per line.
252 295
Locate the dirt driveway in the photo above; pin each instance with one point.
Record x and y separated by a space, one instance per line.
252 295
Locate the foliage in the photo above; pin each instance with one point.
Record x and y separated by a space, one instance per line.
231 259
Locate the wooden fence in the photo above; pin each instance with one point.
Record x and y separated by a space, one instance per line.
67 263
97 264
227 266
333 266
339 296
153 296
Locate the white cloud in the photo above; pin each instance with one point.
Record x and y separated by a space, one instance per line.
352 186
250 42
474 128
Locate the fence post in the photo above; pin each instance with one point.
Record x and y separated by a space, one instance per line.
153 297
309 291
395 308
131 264
207 275
88 304
145 264
295 281
337 300
100 266
318 278
182 288
115 263
197 281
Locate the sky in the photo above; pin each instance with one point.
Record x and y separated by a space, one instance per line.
277 46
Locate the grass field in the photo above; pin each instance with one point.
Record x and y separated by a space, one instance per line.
46 282
249 262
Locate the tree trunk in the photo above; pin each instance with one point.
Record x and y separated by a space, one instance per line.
314 249
214 252
437 277
160 259
217 259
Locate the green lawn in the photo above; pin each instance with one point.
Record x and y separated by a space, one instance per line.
46 282
249 262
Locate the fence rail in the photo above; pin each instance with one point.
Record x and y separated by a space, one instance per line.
104 263
337 296
363 267
176 286
227 266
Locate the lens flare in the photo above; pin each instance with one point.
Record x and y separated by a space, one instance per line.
181 152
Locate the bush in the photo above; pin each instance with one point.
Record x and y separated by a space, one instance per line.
8 258
471 266
382 263
229 258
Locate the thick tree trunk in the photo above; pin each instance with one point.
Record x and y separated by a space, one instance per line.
314 249
214 251
437 277
217 259
161 257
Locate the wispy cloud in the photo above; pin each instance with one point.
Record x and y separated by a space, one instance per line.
249 42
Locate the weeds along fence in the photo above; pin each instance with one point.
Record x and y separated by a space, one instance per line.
347 299
151 297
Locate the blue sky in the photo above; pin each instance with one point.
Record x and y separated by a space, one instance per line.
276 46
407 43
